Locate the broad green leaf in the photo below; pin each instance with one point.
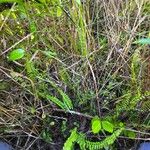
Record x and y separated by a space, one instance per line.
96 125
107 126
143 41
16 54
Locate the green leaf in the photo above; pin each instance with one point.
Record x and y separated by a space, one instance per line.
33 27
46 136
96 125
59 11
78 2
49 54
107 126
16 54
71 140
143 41
67 101
121 124
98 145
130 134
56 101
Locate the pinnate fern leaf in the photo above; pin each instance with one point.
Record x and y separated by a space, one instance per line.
85 144
71 140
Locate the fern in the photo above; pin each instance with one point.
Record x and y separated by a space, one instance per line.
129 102
135 68
85 144
65 98
71 140
67 101
134 95
56 101
146 104
64 103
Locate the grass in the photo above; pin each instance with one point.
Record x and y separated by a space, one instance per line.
81 61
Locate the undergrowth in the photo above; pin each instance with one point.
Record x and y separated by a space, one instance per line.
74 66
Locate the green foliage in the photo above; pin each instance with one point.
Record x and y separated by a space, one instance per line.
96 124
129 134
129 102
107 126
64 37
146 104
33 27
78 18
32 110
30 69
88 145
135 68
46 136
71 140
16 54
65 77
78 1
131 98
143 41
99 145
65 103
49 54
4 85
56 101
10 1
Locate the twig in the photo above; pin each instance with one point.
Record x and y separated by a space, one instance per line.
16 44
74 112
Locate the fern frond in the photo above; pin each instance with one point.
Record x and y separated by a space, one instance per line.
86 144
71 140
130 102
134 95
146 104
64 103
67 101
135 66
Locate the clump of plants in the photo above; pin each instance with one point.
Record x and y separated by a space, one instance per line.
74 74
